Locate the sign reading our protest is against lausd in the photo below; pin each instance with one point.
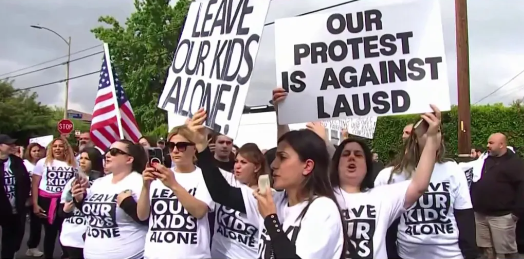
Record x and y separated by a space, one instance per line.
214 61
358 61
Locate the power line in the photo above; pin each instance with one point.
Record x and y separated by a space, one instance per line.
168 52
49 67
49 61
500 87
57 82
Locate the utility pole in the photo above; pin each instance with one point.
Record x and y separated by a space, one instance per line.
66 104
464 109
68 42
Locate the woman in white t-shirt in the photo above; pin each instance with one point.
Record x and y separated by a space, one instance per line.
441 223
176 202
114 229
50 176
237 233
304 220
75 223
368 211
31 156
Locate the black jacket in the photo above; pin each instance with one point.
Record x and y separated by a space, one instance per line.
501 186
22 187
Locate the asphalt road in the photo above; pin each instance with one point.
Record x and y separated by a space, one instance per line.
23 249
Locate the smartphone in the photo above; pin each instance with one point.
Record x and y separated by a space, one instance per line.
263 183
421 127
156 155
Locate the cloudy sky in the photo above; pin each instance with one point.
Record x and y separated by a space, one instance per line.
496 49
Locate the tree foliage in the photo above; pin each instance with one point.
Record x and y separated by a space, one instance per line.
485 120
142 51
21 115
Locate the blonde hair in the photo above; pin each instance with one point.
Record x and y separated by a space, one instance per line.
183 131
407 161
68 152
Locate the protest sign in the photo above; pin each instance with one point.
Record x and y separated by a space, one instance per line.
362 61
43 141
214 61
362 126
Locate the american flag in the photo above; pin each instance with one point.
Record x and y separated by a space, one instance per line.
104 123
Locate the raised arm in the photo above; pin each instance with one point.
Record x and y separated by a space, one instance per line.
220 190
422 176
279 94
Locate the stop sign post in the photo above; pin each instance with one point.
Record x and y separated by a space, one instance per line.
65 126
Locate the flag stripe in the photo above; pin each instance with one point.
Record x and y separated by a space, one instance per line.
104 123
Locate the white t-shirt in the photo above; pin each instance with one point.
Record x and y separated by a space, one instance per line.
54 175
73 227
111 233
319 234
368 216
10 184
237 235
428 229
29 166
173 231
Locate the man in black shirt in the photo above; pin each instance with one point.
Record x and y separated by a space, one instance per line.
498 199
223 151
14 193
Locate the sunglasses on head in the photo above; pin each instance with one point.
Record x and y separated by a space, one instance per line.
180 146
116 151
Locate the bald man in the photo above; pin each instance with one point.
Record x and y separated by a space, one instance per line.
407 131
498 199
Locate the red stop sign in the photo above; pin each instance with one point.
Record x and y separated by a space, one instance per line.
65 126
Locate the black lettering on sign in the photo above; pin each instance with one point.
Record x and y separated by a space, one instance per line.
171 222
57 177
78 218
265 251
371 74
9 184
232 226
361 224
100 210
429 215
214 64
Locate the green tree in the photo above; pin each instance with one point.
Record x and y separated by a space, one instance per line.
21 115
142 51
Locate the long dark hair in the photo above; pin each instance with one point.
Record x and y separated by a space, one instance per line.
95 157
368 181
138 154
308 145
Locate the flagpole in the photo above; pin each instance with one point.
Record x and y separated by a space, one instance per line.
113 89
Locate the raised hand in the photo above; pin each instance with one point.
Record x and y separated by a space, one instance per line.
148 176
434 120
279 94
196 125
318 128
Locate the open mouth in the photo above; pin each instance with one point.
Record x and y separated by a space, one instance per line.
352 167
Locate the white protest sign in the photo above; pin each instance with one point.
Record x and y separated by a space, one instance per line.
362 127
362 61
214 61
43 141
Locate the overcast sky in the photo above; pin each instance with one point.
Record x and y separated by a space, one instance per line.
495 37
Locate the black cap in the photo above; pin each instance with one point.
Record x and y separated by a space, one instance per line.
4 139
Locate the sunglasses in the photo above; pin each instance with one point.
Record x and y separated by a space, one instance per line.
180 146
116 151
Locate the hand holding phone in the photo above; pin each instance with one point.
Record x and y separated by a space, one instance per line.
263 183
421 127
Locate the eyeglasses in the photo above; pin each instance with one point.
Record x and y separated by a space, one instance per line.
116 151
180 146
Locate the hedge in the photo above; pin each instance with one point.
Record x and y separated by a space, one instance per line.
485 120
